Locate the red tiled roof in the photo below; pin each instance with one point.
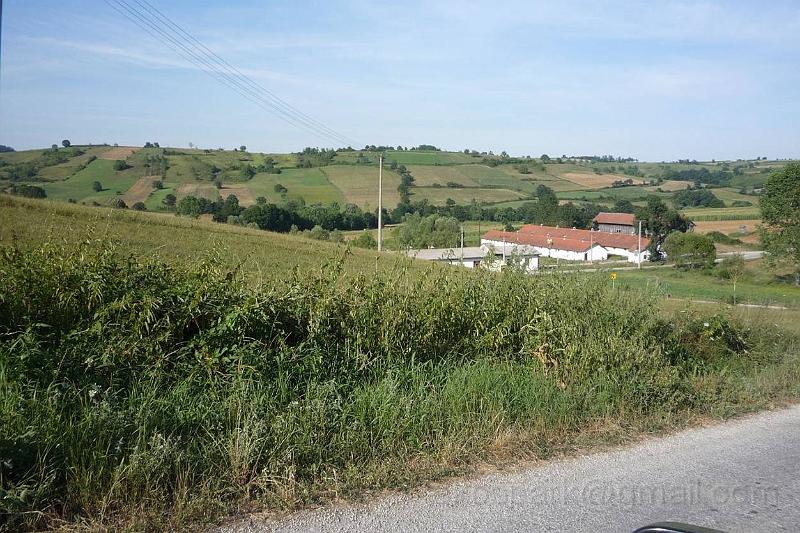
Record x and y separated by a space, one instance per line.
608 240
624 219
579 244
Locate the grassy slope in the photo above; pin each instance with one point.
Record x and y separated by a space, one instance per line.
174 239
330 386
696 286
79 185
311 184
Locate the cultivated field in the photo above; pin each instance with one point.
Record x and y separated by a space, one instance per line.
597 181
200 190
139 191
439 195
310 184
359 185
240 191
118 153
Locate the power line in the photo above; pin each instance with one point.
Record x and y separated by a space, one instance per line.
213 67
231 68
204 64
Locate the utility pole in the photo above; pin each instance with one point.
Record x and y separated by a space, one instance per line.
639 255
462 244
380 202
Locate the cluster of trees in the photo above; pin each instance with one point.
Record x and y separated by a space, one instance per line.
4 148
406 181
658 221
149 144
780 211
434 230
719 177
544 209
602 158
27 170
690 250
315 157
622 183
281 218
696 198
421 147
28 191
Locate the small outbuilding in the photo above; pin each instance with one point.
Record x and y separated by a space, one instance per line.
624 223
487 256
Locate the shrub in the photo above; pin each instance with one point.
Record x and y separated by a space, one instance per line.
133 387
97 186
120 165
365 240
690 250
139 206
119 203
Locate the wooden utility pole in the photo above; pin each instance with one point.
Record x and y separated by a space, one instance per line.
639 256
380 202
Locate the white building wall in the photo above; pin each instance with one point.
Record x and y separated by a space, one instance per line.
596 253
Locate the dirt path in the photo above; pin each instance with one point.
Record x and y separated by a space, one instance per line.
139 191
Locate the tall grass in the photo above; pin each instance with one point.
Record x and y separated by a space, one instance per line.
136 394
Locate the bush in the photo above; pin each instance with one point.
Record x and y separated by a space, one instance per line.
133 387
690 250
97 186
139 206
119 203
120 165
365 240
28 191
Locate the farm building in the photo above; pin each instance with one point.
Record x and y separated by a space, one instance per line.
491 257
571 244
624 223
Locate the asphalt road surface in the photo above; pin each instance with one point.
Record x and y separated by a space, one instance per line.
739 476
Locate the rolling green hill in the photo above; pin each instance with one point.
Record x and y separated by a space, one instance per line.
351 177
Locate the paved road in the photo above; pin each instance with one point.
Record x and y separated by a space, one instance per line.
739 476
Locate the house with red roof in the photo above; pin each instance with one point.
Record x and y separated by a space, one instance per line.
572 244
616 223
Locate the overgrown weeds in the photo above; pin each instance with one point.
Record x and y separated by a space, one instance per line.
136 394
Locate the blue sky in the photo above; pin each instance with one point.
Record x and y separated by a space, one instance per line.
652 80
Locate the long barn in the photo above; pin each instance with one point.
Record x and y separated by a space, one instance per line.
572 244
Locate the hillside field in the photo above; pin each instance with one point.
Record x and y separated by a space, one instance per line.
351 177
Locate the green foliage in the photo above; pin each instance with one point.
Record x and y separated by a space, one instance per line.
658 221
97 186
120 165
28 191
365 240
139 206
696 198
119 204
130 386
721 238
690 250
431 231
169 200
780 210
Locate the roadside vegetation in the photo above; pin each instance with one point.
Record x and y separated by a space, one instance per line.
143 395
